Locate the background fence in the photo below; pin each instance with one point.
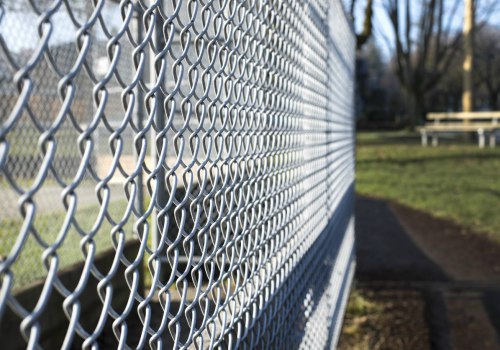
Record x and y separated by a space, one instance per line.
175 174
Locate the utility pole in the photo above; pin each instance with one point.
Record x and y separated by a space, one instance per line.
468 89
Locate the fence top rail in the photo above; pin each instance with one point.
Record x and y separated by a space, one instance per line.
464 115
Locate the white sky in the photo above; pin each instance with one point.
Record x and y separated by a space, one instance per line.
19 28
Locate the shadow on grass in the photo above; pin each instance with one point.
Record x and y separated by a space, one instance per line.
434 158
411 138
406 140
29 268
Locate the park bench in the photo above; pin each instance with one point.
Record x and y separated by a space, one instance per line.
484 123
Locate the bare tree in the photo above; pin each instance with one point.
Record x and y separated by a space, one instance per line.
366 32
426 40
487 68
425 43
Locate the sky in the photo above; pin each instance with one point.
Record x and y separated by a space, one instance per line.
19 26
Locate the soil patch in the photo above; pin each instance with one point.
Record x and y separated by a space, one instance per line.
391 320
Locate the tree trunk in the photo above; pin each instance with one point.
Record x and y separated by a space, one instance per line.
493 101
415 109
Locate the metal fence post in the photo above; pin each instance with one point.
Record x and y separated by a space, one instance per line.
140 112
159 120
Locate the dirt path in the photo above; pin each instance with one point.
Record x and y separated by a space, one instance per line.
461 253
409 261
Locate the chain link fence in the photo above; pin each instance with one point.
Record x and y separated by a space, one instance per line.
213 137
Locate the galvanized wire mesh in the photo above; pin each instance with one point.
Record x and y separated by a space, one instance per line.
213 137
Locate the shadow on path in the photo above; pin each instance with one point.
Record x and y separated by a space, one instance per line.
385 252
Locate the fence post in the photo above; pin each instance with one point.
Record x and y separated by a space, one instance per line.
139 204
159 119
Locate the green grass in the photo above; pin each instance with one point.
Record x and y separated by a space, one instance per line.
456 181
24 140
29 268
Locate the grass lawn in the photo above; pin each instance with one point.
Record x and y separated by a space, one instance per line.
29 268
456 180
24 140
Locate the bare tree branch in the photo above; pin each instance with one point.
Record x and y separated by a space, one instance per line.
351 11
363 37
425 44
366 32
